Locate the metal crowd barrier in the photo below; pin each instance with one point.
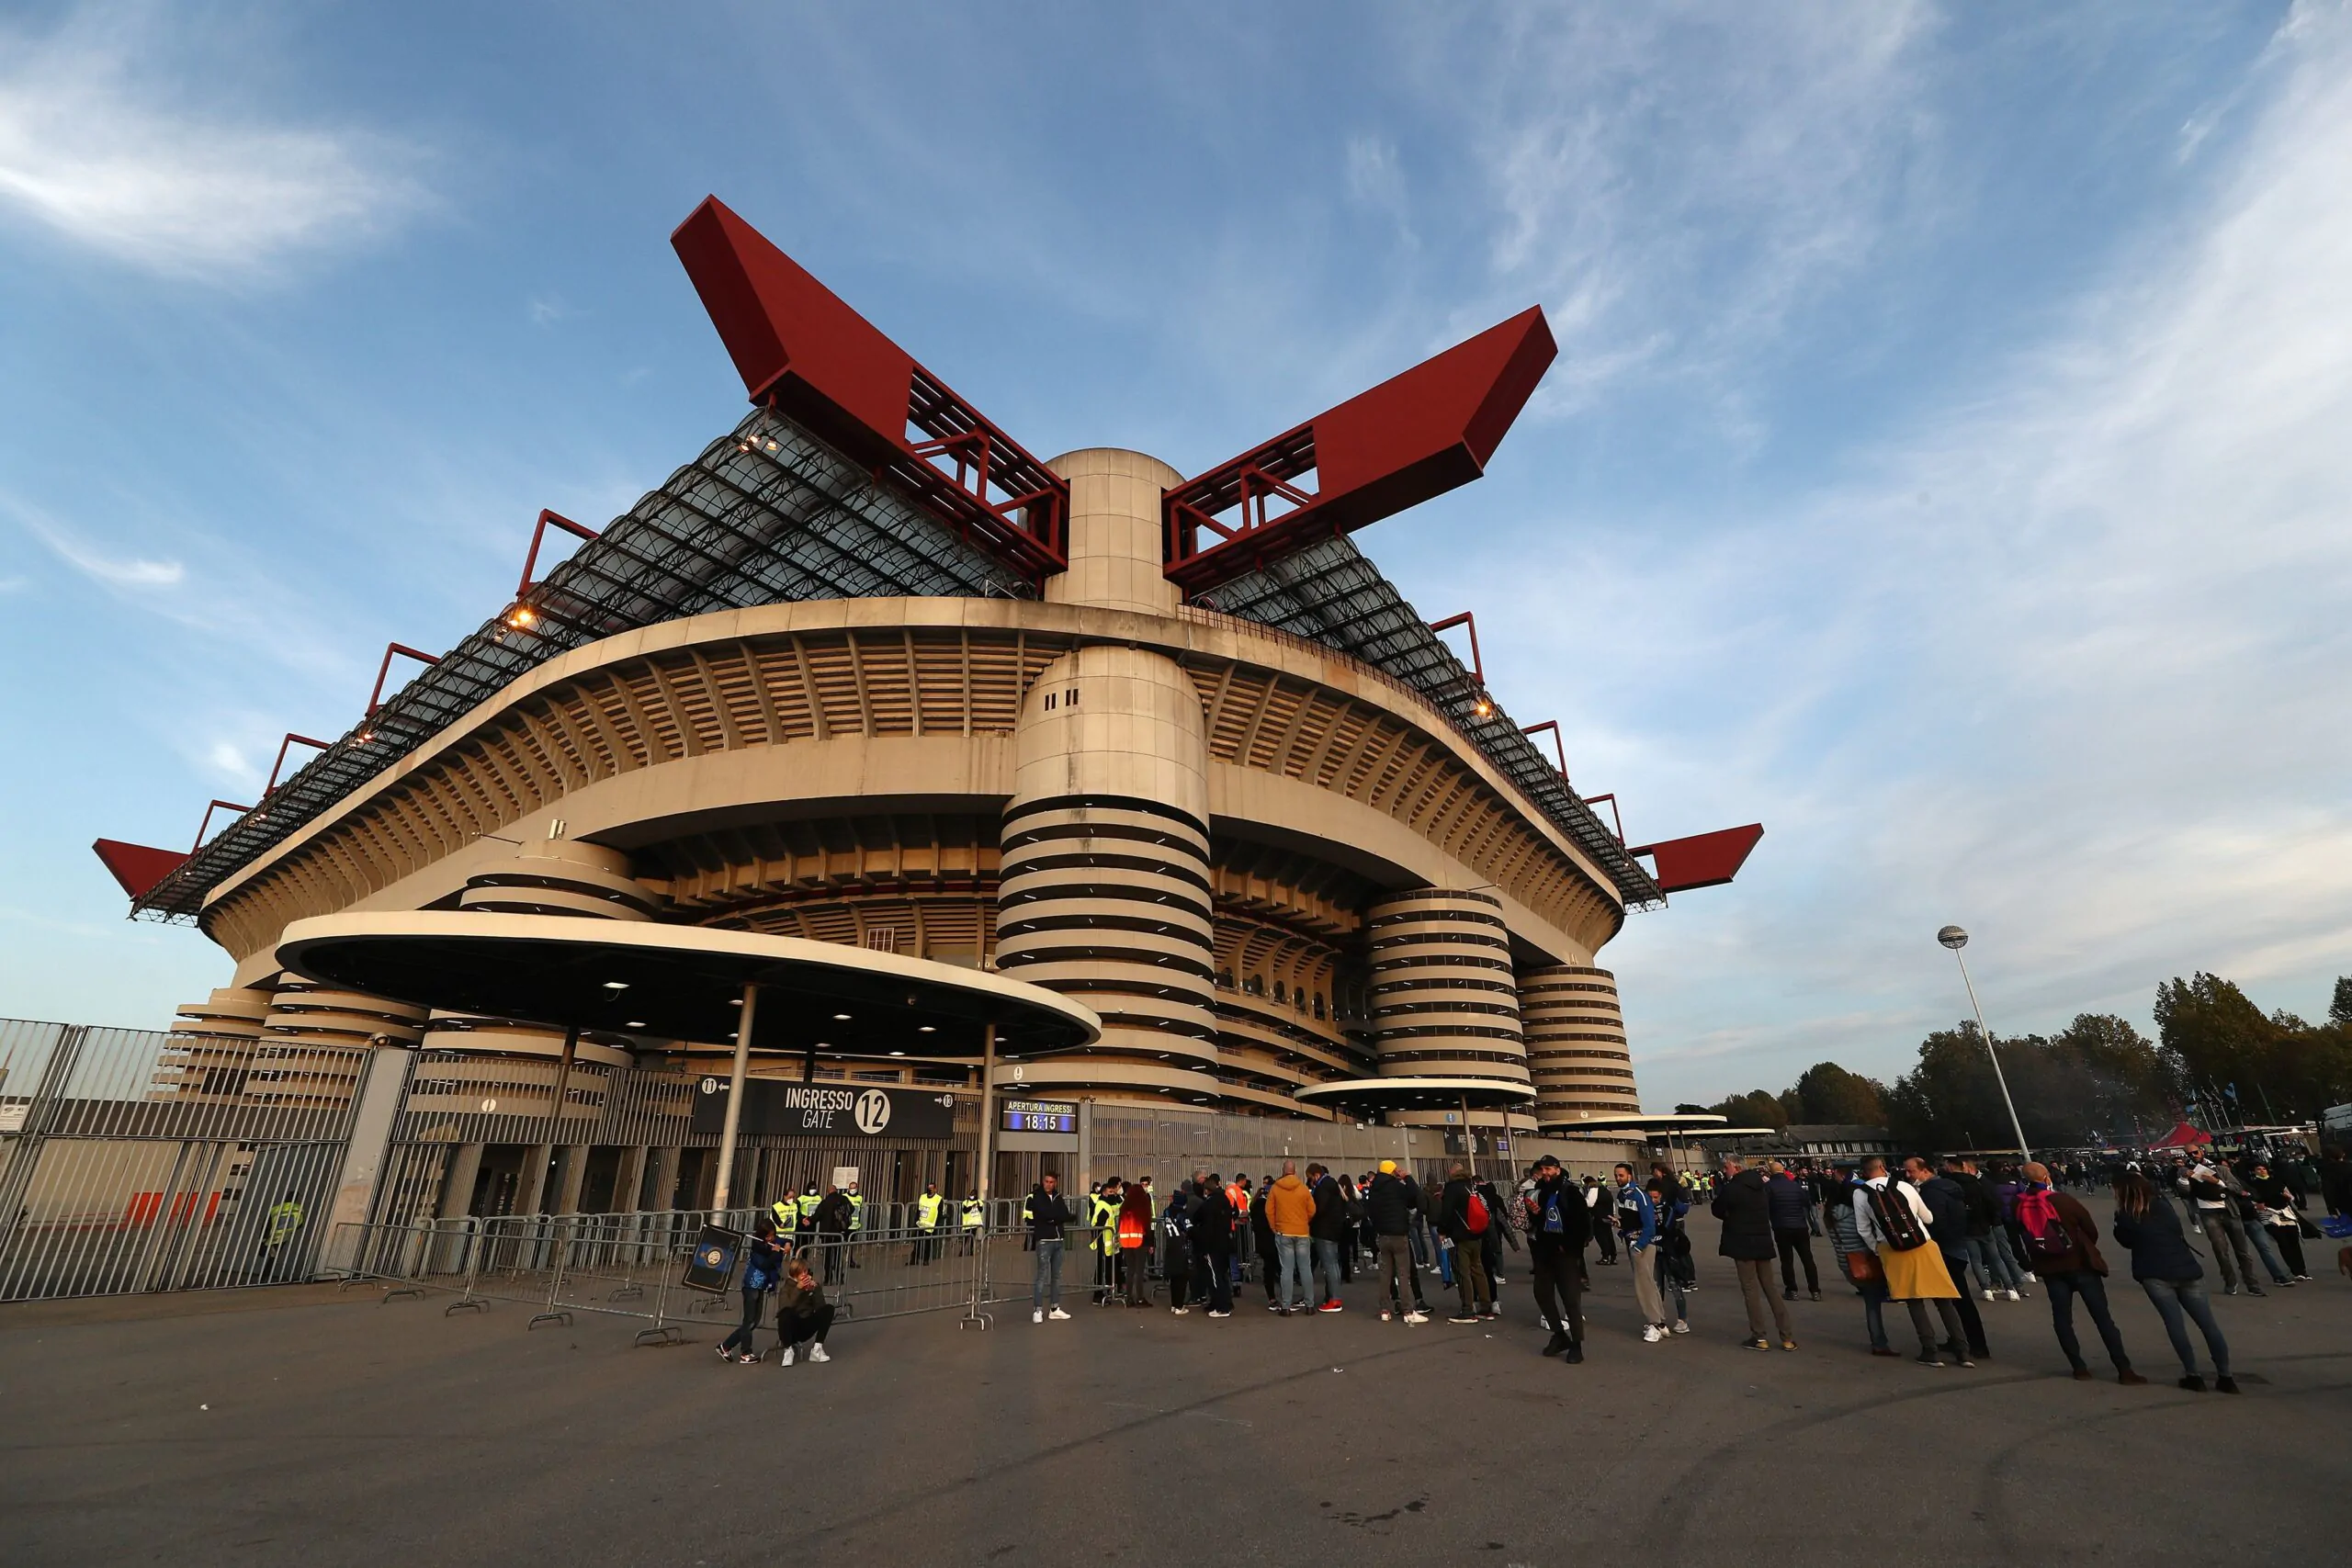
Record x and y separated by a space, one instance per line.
629 1266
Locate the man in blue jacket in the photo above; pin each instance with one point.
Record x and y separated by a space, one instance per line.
1637 1219
1791 1203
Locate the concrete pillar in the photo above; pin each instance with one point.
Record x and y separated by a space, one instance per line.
575 1172
1444 1000
1104 893
381 1090
458 1185
1576 1045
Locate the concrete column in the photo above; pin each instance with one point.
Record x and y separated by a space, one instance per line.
665 1177
628 1183
534 1182
1576 1045
575 1171
458 1185
1105 890
381 1090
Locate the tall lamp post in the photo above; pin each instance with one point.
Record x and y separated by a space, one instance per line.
1956 939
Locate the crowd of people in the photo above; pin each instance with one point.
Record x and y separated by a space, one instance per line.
1937 1237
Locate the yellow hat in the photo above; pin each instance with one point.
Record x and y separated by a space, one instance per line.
1388 1168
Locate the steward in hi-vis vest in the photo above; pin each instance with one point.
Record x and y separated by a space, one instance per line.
928 1210
973 1221
1103 1213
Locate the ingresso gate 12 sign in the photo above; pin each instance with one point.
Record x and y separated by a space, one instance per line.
1040 1116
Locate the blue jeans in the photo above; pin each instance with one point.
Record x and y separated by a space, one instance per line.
1996 1269
1874 1299
1047 1286
2175 1298
1326 1270
1290 1287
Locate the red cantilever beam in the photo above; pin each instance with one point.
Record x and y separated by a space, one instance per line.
1703 860
1412 438
137 867
803 351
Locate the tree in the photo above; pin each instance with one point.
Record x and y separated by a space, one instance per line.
1827 1092
2339 1010
2251 1067
1756 1108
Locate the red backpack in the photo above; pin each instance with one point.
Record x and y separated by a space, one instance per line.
2046 1235
1474 1214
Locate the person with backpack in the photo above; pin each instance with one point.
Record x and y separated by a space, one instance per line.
1859 1264
1948 1229
2166 1267
1891 1220
1744 1204
1558 1224
1464 1220
1176 1246
2063 1241
1500 1234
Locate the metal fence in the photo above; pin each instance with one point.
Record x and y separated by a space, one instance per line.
631 1265
137 1160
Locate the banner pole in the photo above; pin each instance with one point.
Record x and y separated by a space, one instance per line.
734 1105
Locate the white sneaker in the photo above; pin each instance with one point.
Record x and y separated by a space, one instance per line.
1059 1316
785 1358
1681 1325
1036 1317
1416 1318
1650 1335
1179 1310
1384 1314
817 1354
2012 1295
2030 1279
1989 1295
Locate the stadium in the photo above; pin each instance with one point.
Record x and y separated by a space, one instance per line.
866 672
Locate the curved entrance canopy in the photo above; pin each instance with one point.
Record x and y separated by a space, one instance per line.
1633 1121
683 983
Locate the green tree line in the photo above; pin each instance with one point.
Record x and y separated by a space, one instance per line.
2216 1056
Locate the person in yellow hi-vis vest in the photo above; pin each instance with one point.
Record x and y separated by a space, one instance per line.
278 1227
805 1213
929 1209
1103 1213
856 1221
972 1223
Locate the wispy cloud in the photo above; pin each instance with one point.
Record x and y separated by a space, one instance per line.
120 160
112 570
2068 667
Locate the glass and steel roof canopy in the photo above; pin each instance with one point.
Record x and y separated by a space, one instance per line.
683 983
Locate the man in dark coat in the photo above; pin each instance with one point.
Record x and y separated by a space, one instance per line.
1213 1229
1948 1226
1745 1207
1558 1225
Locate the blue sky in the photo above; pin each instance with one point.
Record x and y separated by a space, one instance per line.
1946 462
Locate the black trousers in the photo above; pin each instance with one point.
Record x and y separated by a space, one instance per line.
1796 1244
1178 1265
1213 1280
799 1328
1559 1289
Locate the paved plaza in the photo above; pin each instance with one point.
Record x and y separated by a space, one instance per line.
306 1426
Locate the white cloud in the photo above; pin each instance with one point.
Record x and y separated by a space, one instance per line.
112 570
2068 667
1674 183
93 151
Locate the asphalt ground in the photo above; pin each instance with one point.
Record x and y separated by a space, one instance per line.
306 1424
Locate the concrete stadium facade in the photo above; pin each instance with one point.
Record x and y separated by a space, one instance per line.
1265 865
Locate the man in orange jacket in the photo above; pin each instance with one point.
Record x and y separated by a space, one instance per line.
1290 1214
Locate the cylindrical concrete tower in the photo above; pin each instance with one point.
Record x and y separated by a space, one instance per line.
300 1059
1444 1000
1576 1045
212 1045
1104 889
493 1065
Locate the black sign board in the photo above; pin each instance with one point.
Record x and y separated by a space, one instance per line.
1038 1115
712 1262
777 1106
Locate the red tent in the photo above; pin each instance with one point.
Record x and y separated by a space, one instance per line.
2183 1137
